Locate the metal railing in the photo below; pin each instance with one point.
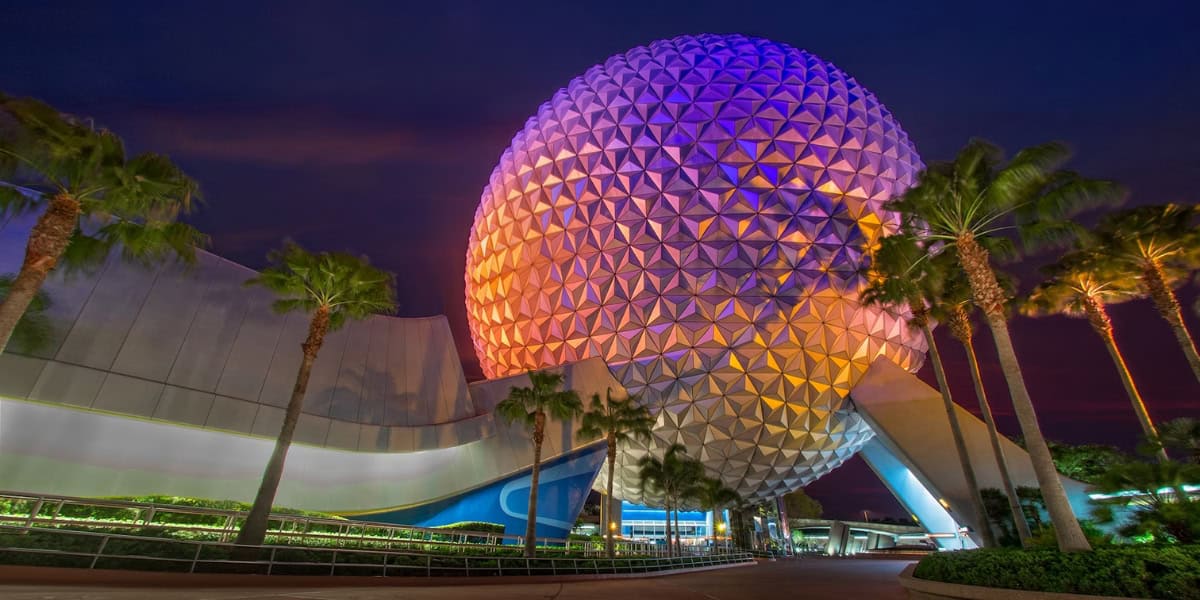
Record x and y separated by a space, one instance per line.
53 511
95 550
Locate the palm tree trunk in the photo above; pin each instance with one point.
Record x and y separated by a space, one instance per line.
960 445
1168 307
670 541
609 544
48 240
1010 491
678 533
254 530
989 297
539 434
1102 325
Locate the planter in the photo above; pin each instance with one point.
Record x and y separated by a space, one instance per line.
924 589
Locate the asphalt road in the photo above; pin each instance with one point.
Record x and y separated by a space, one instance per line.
810 579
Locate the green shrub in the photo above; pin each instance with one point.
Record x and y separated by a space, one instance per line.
474 526
1166 572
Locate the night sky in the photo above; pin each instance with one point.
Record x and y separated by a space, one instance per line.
372 127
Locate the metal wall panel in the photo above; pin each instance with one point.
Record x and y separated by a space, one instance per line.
256 341
154 339
232 414
378 388
205 349
97 334
67 384
181 405
129 395
348 391
284 362
319 398
18 374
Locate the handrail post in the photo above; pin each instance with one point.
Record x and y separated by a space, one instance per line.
37 507
428 565
333 561
96 557
271 561
196 558
57 509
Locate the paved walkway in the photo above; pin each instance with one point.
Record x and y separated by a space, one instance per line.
810 579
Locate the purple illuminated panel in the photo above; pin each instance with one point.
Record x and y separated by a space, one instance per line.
696 212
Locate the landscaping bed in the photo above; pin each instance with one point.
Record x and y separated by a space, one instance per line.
155 549
1164 572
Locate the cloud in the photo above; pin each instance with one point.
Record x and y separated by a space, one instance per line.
302 137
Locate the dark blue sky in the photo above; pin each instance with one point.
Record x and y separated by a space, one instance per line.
372 127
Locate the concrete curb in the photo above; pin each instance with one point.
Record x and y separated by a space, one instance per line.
62 576
924 589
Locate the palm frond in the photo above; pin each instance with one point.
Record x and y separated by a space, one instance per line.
345 285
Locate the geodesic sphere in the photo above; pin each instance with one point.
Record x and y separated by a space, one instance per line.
696 213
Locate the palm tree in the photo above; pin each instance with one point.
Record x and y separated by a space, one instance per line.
1158 246
955 311
902 274
1182 434
967 202
617 420
712 494
671 476
333 288
33 331
1083 283
90 197
530 407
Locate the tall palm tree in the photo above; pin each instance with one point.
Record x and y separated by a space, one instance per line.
333 288
964 203
1083 283
617 420
90 198
902 274
530 406
1159 246
955 311
33 331
671 476
712 494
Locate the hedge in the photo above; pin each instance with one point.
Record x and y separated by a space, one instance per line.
160 543
1165 572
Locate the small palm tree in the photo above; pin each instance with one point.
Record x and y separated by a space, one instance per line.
955 311
671 477
976 198
90 198
1084 283
712 494
902 274
530 406
1182 434
1159 247
333 288
33 331
617 420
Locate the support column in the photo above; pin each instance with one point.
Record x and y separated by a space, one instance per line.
785 529
839 536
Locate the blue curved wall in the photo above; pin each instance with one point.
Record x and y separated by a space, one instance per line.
562 490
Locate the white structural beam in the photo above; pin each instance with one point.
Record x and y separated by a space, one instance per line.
913 451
